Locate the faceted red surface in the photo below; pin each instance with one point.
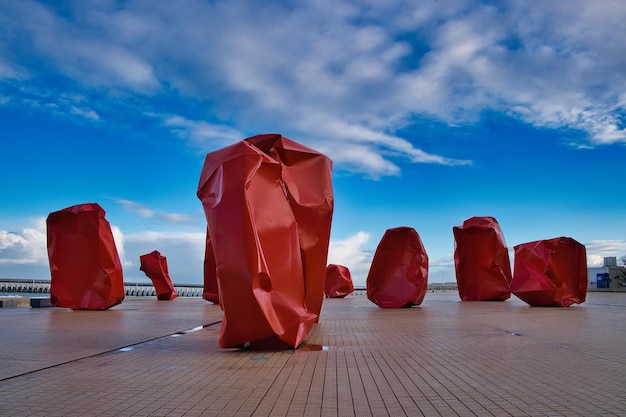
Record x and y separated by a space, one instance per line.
154 265
85 269
550 273
211 290
268 202
398 276
338 281
481 260
307 180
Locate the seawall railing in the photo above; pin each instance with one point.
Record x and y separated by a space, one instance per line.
141 289
131 289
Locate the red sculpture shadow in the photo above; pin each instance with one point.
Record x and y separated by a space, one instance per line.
338 281
154 265
268 202
481 260
85 268
398 276
550 273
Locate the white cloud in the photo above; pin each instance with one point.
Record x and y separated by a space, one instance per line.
177 218
27 246
154 236
24 254
201 134
86 113
597 250
441 269
7 70
118 238
135 207
356 77
75 107
355 147
184 252
76 48
351 253
358 158
146 212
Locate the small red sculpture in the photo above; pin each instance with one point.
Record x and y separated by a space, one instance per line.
398 276
550 273
85 268
154 265
338 281
481 260
268 202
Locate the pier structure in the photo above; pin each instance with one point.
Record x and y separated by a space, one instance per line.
131 289
146 357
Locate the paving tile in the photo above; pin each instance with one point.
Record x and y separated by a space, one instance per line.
444 358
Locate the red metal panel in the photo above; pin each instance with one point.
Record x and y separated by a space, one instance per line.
398 276
550 273
338 281
154 265
211 289
481 260
85 269
306 175
268 203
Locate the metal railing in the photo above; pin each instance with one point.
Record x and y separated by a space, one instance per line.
136 289
131 289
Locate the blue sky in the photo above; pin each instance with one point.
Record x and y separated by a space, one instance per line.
432 111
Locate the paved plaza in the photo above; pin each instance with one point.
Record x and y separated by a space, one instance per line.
445 358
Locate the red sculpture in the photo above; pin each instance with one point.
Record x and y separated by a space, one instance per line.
338 281
154 265
211 290
481 260
550 273
85 268
268 202
398 276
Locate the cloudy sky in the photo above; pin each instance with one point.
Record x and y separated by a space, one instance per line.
432 111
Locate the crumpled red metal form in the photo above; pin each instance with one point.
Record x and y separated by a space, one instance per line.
211 290
154 265
338 281
268 202
398 276
85 268
550 273
481 260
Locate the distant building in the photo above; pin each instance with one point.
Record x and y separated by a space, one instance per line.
610 276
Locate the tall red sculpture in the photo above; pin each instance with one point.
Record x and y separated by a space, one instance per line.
398 276
338 281
268 202
85 268
481 260
550 273
154 265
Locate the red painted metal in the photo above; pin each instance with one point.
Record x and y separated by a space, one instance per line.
154 265
550 273
398 276
268 202
481 260
338 281
85 268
